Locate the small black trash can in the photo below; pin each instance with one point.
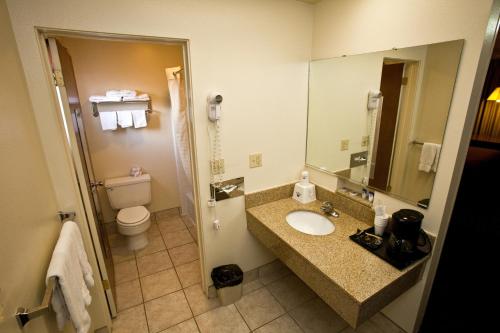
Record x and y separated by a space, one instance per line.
227 280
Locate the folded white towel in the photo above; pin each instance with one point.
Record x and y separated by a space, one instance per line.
141 97
108 120
139 118
429 156
121 93
124 118
99 99
72 273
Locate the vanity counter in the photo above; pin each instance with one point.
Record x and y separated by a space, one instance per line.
353 281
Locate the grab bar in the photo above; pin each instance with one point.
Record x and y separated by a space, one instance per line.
64 216
24 315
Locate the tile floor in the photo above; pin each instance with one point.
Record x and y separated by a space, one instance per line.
158 289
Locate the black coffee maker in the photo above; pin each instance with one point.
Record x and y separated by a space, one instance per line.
405 233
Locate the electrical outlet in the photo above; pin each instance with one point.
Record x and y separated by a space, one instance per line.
255 160
217 166
344 144
365 140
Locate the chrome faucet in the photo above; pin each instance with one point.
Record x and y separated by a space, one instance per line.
327 208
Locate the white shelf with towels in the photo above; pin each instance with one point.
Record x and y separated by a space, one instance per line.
95 105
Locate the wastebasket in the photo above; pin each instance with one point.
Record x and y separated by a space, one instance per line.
227 280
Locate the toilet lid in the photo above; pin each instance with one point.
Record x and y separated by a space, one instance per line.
132 215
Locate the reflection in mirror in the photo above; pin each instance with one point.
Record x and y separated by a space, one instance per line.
378 119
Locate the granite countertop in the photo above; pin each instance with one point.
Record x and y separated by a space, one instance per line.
354 269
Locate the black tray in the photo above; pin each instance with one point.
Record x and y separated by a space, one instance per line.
381 251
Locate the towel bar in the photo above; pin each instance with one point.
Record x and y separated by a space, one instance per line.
95 110
24 315
64 216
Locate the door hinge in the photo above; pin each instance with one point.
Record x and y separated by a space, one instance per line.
105 284
404 81
58 78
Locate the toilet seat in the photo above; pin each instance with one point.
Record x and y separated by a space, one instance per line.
132 216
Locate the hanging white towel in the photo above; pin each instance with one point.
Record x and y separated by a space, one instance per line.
108 120
436 158
124 118
429 156
139 118
70 269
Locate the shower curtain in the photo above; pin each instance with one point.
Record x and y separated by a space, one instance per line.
178 118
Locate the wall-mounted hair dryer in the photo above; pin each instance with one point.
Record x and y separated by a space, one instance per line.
214 109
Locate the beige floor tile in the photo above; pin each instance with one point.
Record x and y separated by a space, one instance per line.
224 319
284 324
251 286
171 225
177 238
167 311
132 320
259 308
159 284
189 326
117 240
367 327
153 263
189 273
198 301
155 244
385 324
194 233
183 254
290 291
167 213
128 294
153 230
273 271
317 317
121 254
126 271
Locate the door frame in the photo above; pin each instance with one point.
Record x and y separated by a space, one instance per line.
492 29
73 156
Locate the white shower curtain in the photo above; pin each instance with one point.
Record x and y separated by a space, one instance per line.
181 140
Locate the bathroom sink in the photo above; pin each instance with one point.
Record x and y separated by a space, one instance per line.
310 223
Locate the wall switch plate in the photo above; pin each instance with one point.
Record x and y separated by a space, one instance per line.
255 160
344 144
217 166
365 140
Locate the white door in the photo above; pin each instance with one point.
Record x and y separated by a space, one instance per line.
69 101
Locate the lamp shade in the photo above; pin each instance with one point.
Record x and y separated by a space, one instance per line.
495 95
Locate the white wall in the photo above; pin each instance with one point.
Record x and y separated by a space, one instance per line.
29 226
104 65
254 52
355 26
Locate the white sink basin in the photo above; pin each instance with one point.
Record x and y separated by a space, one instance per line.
310 223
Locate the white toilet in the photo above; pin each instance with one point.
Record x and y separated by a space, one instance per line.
129 195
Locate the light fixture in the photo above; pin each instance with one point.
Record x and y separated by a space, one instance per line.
495 95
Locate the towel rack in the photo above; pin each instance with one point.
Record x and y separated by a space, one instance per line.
24 315
65 216
415 142
95 110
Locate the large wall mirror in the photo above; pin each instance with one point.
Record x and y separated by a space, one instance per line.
378 119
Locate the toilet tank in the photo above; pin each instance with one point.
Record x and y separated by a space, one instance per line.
124 192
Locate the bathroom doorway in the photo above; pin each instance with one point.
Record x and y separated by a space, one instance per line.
158 143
